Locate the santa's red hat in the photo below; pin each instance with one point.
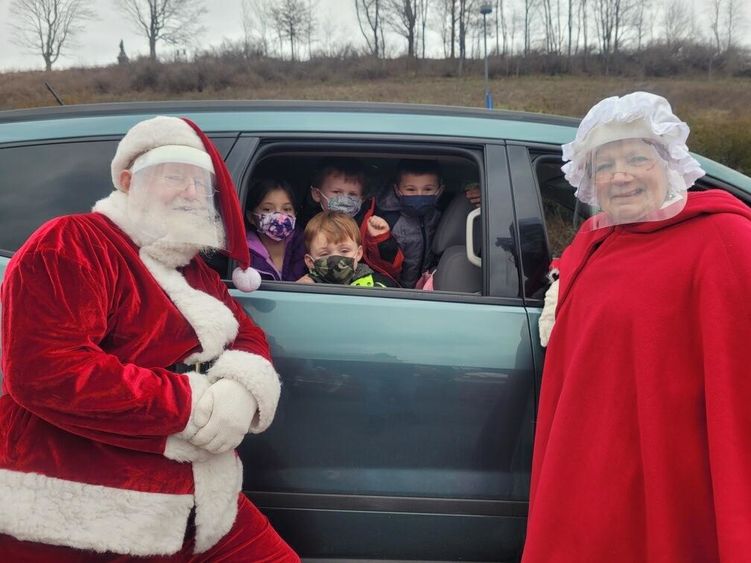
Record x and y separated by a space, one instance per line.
163 130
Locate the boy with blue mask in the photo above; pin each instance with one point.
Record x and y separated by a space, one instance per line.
338 185
410 207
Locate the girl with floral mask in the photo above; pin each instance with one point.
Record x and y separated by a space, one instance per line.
276 244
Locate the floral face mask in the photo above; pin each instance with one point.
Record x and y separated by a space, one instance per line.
276 225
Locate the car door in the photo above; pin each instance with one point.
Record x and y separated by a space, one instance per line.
404 428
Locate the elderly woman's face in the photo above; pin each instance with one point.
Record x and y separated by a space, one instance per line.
630 179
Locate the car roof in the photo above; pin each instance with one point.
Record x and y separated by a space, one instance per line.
308 117
290 116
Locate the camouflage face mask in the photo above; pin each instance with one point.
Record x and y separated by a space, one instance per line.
333 269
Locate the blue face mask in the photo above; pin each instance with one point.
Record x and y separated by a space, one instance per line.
418 205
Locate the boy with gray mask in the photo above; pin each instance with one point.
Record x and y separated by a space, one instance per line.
338 185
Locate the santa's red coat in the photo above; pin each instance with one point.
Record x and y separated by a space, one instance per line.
89 414
643 440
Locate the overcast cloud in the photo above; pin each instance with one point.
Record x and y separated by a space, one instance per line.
98 44
336 19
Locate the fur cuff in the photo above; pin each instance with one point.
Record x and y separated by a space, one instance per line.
547 318
258 376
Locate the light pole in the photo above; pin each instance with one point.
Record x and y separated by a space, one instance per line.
485 9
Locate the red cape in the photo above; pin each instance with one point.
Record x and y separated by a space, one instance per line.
643 441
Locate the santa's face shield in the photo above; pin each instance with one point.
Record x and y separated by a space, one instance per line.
631 182
173 203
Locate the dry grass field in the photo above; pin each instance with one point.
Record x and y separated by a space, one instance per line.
719 111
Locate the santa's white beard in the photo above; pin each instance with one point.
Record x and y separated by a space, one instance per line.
175 234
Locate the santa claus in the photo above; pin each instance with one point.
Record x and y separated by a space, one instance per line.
130 374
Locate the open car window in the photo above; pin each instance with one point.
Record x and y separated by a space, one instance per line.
444 265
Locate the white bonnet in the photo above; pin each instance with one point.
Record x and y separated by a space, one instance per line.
637 115
150 134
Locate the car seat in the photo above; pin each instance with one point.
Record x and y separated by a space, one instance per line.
454 271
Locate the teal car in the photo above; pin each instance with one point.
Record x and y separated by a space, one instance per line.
407 417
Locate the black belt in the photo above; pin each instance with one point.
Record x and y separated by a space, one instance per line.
200 367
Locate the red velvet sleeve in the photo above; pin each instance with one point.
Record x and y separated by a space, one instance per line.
724 316
55 312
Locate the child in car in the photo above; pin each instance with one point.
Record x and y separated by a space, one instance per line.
276 244
410 208
338 185
334 253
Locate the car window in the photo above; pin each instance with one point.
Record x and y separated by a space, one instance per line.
442 267
39 182
563 212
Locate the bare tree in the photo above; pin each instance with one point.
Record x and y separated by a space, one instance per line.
422 18
173 21
529 6
734 18
402 18
256 27
611 17
570 27
370 15
639 22
551 10
449 18
676 22
726 18
293 20
48 26
502 27
464 20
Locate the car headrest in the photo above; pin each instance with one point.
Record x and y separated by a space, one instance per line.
451 230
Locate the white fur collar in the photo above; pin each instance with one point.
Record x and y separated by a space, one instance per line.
213 322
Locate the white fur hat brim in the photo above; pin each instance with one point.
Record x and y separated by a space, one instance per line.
150 134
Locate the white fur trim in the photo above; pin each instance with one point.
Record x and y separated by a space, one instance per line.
246 280
213 322
174 154
147 135
258 376
218 482
547 317
55 511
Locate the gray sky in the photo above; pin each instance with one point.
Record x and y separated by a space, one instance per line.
336 21
98 44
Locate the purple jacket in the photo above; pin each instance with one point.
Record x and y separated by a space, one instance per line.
294 257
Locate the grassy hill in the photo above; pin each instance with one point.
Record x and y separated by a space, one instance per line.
718 110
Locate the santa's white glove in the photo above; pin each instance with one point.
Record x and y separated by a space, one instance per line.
224 414
179 449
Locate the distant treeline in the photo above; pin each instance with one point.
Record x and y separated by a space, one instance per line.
712 96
